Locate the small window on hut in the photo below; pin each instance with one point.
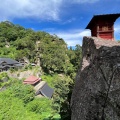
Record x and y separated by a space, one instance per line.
105 28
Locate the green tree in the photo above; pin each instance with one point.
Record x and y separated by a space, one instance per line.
23 92
75 56
62 96
53 54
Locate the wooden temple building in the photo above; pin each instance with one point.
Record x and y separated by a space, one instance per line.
103 26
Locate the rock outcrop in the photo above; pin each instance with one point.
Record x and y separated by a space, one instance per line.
96 95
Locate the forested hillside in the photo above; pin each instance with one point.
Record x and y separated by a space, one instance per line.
59 66
17 42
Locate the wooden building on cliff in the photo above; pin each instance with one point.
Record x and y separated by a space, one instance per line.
103 26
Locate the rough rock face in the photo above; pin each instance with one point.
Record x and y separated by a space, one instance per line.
96 95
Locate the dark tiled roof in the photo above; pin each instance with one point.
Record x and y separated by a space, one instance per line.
44 89
47 91
18 65
1 67
2 62
109 16
8 61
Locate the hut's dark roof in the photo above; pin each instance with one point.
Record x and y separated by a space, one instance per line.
102 16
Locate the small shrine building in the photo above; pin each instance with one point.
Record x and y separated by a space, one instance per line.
103 26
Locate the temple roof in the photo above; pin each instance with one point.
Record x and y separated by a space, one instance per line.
112 17
31 80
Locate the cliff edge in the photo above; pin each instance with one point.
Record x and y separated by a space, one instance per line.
96 94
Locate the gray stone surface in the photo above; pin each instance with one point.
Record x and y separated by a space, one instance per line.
96 95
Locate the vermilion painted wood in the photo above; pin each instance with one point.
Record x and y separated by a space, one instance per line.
103 26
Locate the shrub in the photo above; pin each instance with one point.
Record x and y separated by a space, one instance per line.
40 105
12 108
3 75
24 92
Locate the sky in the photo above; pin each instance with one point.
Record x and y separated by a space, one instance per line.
65 18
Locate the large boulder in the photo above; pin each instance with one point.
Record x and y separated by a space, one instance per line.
96 95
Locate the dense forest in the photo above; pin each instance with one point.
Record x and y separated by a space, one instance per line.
58 64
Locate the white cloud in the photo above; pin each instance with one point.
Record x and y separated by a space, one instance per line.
73 37
117 32
69 21
42 9
117 28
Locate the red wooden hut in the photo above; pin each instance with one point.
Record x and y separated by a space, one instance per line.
103 25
